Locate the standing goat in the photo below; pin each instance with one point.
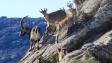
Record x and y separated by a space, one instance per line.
53 18
35 36
59 27
34 33
56 19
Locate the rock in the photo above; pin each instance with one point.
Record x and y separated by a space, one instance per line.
100 49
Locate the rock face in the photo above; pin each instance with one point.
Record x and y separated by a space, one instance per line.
100 48
91 34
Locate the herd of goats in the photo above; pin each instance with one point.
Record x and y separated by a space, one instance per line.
55 22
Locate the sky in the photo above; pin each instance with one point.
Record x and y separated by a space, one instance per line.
21 8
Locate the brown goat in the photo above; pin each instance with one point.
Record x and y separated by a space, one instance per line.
56 19
59 27
53 18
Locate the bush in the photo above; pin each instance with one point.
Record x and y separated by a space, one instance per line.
86 61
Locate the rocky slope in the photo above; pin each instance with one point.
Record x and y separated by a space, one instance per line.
90 34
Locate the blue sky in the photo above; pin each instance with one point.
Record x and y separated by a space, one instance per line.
21 8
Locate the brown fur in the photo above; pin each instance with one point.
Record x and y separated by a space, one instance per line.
53 18
59 27
61 53
56 20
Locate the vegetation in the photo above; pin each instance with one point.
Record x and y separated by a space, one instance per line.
90 59
86 61
70 4
54 59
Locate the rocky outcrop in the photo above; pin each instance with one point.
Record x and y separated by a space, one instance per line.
100 48
93 19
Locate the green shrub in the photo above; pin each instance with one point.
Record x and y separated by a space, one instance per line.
53 59
86 61
90 59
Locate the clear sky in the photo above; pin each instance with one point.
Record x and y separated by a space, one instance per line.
21 8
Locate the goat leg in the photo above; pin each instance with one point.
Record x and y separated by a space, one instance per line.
56 37
57 32
31 44
46 33
38 44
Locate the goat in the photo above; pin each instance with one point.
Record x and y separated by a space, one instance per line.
52 18
34 33
59 27
61 53
24 30
55 17
35 36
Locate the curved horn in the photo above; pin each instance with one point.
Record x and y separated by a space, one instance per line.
21 22
41 10
46 9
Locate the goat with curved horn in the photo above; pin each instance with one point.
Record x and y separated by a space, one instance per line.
24 30
34 33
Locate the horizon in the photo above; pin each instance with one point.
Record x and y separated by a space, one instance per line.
21 8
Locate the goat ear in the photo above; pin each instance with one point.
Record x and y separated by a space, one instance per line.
58 49
40 11
46 9
62 9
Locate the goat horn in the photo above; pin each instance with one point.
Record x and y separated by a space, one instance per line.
21 22
46 9
41 10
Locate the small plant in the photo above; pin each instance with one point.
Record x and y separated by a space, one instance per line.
86 61
53 59
90 59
